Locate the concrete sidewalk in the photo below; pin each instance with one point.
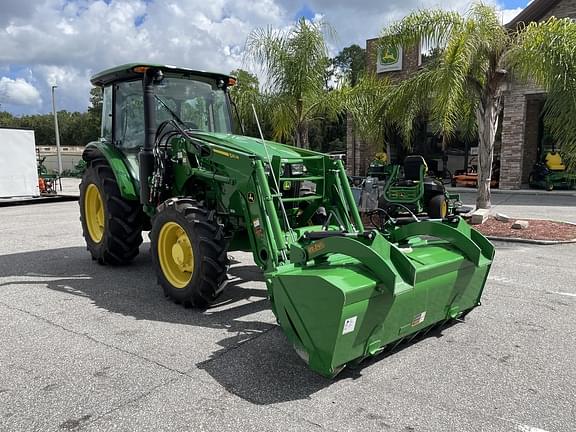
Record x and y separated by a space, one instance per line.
519 204
524 203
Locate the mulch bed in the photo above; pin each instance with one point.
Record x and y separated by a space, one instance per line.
537 230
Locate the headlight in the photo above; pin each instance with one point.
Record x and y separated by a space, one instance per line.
297 169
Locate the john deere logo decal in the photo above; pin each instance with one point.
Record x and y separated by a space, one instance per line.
389 56
389 59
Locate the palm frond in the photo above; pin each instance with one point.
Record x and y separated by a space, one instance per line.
294 62
283 117
430 27
367 104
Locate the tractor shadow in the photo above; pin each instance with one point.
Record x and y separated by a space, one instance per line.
132 291
268 371
254 360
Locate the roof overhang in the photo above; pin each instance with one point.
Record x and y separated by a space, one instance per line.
535 11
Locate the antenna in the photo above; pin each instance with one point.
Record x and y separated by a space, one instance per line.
276 185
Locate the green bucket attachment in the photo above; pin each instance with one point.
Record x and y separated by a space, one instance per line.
344 298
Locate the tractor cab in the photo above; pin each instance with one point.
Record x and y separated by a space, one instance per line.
195 100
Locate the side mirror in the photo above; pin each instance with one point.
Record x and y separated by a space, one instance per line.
158 77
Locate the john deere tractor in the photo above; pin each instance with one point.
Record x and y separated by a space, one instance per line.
168 162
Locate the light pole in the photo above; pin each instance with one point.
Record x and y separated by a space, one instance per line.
57 133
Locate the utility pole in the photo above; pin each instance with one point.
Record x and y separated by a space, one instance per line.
57 133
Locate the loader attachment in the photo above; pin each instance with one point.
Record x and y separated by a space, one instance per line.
346 297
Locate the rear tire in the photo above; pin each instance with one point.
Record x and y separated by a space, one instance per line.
189 252
437 207
111 225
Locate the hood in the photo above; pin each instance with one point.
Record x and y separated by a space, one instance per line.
253 145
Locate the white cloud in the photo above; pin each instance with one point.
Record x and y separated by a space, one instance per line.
63 42
18 92
509 14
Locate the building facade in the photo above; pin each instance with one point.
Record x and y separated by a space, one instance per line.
521 129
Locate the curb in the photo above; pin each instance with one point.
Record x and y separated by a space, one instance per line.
570 193
530 241
38 200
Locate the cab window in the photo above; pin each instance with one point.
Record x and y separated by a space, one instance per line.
129 118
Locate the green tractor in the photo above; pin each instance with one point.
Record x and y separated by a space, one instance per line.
168 162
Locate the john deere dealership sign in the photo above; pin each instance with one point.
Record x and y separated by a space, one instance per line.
389 59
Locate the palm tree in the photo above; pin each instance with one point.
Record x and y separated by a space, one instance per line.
477 58
294 62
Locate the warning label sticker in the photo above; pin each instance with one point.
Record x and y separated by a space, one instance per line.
349 325
418 319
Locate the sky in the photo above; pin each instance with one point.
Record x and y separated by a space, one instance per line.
63 42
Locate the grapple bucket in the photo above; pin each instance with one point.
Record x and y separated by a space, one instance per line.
343 299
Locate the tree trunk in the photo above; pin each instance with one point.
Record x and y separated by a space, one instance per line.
487 119
302 135
297 137
301 127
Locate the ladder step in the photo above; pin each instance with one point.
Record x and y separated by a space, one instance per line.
303 198
301 158
312 157
311 178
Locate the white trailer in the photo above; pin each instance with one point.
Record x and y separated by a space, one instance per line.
18 165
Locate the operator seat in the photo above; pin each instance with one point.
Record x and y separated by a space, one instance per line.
554 162
412 166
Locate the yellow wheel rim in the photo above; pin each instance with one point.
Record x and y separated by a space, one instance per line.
444 209
94 213
175 255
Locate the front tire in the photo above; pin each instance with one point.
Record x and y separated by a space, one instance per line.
111 225
189 252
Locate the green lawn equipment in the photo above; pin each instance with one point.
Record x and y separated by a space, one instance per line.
551 173
47 182
167 160
416 191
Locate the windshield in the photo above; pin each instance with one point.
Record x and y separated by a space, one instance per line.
197 102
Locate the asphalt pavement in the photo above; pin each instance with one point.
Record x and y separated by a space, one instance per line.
98 348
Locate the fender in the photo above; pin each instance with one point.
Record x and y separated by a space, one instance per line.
126 182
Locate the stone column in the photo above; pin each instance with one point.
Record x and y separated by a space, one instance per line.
513 125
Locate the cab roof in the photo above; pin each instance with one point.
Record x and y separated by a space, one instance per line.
130 71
